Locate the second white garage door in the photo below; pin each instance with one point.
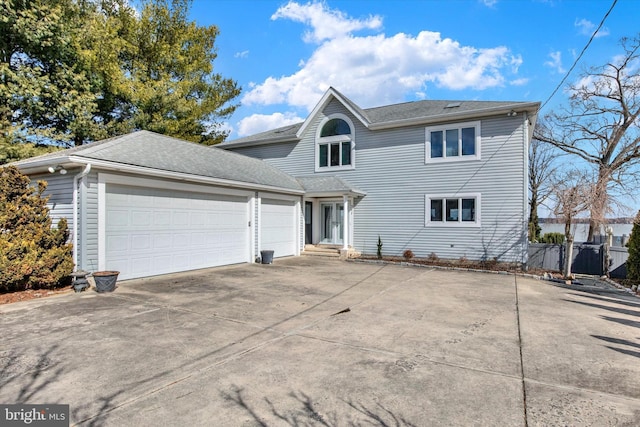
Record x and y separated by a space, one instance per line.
278 227
152 231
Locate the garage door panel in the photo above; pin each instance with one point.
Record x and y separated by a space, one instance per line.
140 242
118 217
278 227
162 218
156 231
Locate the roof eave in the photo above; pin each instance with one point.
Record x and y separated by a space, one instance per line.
333 193
265 141
530 108
42 165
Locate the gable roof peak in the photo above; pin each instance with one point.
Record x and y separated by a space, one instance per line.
333 93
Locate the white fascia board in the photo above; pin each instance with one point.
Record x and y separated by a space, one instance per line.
40 165
531 108
141 170
267 141
330 93
324 194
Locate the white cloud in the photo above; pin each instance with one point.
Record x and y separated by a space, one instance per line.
555 62
325 23
586 28
257 123
519 82
489 3
243 54
380 69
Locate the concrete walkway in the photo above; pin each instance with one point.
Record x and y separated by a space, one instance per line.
314 341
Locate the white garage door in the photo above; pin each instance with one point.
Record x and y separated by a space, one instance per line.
153 231
278 227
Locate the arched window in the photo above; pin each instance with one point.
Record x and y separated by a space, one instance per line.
334 144
335 127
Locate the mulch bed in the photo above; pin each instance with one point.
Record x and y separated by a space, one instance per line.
29 294
467 265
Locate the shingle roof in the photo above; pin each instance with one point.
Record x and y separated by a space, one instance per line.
151 150
327 184
388 115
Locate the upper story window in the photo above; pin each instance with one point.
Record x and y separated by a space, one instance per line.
454 142
335 146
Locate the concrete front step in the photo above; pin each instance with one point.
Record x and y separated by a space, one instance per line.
319 253
327 251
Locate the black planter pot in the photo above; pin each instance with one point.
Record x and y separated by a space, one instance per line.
267 257
105 280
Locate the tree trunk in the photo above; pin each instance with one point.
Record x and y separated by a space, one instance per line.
568 256
534 228
599 202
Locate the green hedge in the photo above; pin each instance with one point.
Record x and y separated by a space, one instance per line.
556 238
32 254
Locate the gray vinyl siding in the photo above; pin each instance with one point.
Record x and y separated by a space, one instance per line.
281 155
391 169
60 193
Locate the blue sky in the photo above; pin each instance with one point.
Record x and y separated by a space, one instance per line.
284 54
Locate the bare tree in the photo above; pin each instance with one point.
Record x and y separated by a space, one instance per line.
573 194
601 126
542 168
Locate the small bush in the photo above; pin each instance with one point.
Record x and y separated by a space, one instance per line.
555 238
379 252
32 254
408 254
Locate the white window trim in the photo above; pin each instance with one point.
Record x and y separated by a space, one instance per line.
335 139
459 158
459 223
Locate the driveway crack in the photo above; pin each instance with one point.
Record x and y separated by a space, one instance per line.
524 388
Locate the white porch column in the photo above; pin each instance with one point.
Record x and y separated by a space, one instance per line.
345 222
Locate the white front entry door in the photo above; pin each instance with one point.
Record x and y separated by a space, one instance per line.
332 222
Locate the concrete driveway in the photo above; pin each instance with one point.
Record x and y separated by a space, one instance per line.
312 341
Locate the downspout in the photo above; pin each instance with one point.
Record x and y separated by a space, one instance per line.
76 179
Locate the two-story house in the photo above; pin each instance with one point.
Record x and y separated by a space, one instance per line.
436 177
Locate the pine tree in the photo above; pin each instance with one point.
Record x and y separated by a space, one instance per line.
633 262
32 253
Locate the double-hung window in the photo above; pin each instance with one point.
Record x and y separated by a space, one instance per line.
454 142
460 210
335 144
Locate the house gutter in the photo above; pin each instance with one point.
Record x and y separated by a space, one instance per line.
449 117
267 141
181 176
76 179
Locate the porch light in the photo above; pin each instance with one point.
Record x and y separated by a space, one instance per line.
57 168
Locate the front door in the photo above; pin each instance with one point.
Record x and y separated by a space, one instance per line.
332 227
308 224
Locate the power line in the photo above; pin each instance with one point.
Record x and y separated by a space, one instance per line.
580 56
